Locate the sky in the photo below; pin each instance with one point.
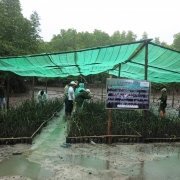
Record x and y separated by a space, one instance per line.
158 18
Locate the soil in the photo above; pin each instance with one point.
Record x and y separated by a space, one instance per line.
47 159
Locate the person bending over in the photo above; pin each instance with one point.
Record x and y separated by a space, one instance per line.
81 97
41 98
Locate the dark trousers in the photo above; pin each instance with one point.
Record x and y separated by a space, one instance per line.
70 106
66 105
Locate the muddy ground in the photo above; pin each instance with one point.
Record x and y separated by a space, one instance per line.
46 159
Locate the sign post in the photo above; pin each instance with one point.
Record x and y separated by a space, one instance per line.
109 122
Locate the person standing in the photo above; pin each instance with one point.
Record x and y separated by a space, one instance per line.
163 103
41 98
66 98
71 97
2 96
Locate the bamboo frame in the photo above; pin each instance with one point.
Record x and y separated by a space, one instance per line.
32 136
46 85
144 129
104 136
8 89
33 88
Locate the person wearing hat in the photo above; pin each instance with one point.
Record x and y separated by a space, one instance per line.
163 103
81 97
81 87
71 98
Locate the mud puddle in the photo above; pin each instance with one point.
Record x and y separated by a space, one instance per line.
19 165
85 161
163 167
166 168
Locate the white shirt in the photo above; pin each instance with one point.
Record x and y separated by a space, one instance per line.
42 98
71 91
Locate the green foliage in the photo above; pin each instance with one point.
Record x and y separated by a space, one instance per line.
144 35
18 35
72 40
176 42
93 120
25 120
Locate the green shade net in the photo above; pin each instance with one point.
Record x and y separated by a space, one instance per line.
163 63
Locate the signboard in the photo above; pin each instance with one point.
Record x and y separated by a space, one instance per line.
127 94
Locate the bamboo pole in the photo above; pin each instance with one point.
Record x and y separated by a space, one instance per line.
109 122
46 85
104 136
101 87
173 100
102 92
119 72
33 88
145 78
8 89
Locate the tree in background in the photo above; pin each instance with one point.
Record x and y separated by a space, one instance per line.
157 40
18 35
116 37
100 38
176 42
70 39
130 36
144 35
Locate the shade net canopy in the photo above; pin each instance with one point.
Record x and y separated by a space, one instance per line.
126 60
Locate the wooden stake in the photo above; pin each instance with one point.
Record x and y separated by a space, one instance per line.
109 122
33 88
46 85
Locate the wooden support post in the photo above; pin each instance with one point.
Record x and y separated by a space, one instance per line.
33 88
144 134
46 85
8 89
102 92
173 100
119 72
109 125
101 87
109 122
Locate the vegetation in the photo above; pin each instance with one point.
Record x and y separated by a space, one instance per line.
18 35
93 121
24 120
21 36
